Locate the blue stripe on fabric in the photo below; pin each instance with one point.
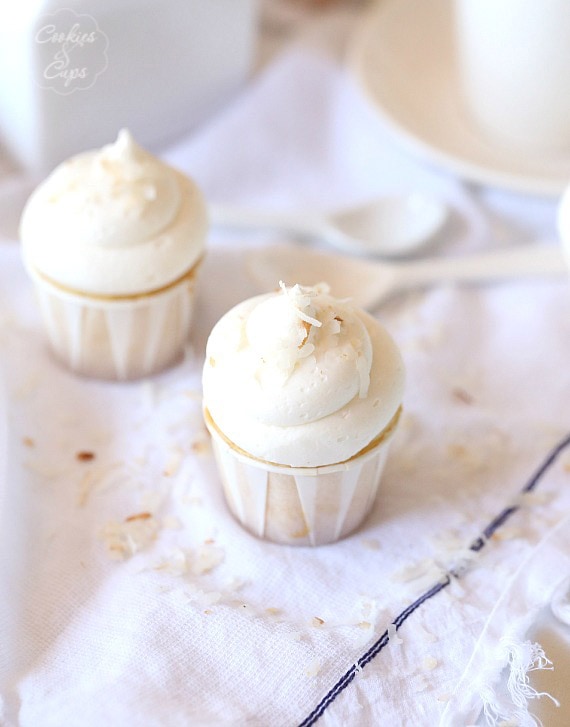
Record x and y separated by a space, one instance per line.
477 545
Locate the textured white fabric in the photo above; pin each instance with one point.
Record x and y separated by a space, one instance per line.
192 632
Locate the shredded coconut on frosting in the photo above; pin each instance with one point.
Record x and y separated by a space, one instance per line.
280 331
300 298
284 372
285 357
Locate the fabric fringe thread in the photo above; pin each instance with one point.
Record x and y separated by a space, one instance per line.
513 708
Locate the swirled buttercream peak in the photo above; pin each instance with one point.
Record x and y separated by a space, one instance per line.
296 360
119 196
115 220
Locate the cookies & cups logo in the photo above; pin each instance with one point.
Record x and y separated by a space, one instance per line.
74 51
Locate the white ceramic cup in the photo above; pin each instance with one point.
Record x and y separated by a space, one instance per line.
513 60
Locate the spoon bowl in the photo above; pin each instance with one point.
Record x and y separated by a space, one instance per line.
388 226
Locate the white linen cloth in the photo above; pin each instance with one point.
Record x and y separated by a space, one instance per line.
206 625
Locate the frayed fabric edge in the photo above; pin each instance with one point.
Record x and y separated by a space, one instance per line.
512 708
480 691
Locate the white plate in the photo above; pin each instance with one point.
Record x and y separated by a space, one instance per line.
403 57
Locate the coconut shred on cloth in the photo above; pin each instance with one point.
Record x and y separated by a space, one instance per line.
130 593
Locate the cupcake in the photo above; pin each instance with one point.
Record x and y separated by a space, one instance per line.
302 393
113 240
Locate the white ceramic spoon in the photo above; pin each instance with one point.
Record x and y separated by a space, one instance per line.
369 283
389 226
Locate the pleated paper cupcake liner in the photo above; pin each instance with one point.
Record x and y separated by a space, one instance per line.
298 505
120 338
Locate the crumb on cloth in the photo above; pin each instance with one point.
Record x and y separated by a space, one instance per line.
85 455
123 539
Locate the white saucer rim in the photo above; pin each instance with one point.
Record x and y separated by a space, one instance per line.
545 184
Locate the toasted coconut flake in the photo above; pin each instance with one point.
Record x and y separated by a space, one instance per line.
201 446
85 456
393 637
85 487
313 669
452 553
99 478
307 327
206 559
175 459
138 516
306 351
317 622
429 663
332 329
235 584
175 564
426 567
300 298
28 442
123 540
202 598
367 607
507 533
443 697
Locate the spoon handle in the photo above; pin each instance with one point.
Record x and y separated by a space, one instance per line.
252 219
533 259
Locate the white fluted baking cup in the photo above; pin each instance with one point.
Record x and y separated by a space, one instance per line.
299 505
117 338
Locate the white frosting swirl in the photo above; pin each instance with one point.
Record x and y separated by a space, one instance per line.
115 221
300 378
